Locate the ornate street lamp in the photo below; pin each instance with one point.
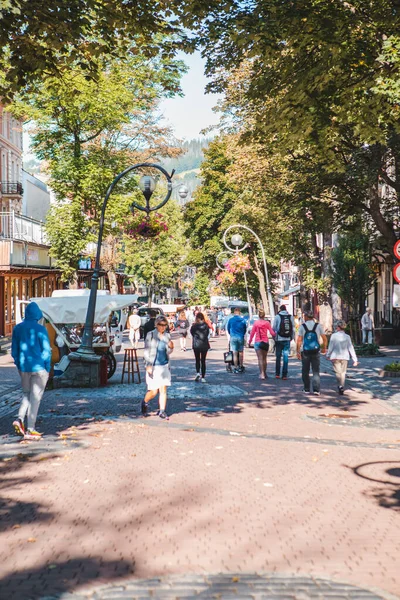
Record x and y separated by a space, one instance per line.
221 264
147 184
237 241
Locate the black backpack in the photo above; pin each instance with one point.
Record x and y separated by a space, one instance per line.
285 326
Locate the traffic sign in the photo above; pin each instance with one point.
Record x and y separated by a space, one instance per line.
396 249
396 272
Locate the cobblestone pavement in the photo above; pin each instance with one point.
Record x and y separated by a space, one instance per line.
245 586
246 478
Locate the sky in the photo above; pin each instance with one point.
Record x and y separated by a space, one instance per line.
192 113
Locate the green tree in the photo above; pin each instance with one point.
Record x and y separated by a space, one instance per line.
352 271
320 78
87 132
38 40
159 262
200 294
206 215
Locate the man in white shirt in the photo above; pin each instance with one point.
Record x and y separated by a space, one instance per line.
311 341
367 326
134 323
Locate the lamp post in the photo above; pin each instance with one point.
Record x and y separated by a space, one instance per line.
147 184
223 262
237 241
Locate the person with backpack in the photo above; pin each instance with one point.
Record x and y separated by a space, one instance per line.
284 329
309 349
200 333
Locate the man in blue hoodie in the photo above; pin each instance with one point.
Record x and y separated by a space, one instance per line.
31 352
236 328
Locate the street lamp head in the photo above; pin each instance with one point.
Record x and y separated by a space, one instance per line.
237 240
147 184
183 192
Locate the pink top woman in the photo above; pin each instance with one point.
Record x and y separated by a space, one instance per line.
260 330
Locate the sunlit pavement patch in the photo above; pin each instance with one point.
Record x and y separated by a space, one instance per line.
177 391
371 421
12 446
230 585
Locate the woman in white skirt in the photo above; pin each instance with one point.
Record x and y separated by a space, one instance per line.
158 347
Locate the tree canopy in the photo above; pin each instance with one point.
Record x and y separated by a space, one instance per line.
40 39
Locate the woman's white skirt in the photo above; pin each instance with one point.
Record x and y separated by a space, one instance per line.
161 377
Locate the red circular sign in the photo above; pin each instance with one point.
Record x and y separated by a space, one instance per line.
396 249
396 272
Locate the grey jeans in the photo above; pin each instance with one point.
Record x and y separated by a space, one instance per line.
33 385
313 361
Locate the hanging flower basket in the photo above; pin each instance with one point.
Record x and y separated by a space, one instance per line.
238 263
149 227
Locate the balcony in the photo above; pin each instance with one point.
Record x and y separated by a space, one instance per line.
16 227
8 188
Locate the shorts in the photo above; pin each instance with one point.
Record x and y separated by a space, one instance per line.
261 346
236 344
182 332
161 377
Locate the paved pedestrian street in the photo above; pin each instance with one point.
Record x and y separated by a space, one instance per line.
252 489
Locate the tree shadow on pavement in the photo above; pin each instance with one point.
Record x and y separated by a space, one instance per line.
15 513
53 580
387 475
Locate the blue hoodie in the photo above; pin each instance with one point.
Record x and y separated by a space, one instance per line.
236 326
31 348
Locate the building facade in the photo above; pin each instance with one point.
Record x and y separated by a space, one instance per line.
26 269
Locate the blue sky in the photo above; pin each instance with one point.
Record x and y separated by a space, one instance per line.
192 113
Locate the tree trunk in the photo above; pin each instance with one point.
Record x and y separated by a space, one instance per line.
384 227
261 284
112 281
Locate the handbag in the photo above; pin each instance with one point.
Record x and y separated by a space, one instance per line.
228 357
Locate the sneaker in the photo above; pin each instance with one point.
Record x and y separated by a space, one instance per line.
203 380
242 369
163 415
236 370
317 393
307 391
198 377
32 434
341 390
285 377
19 427
144 408
277 376
184 349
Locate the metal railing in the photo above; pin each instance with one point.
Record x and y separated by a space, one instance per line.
14 226
11 188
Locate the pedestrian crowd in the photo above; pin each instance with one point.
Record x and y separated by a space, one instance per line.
31 351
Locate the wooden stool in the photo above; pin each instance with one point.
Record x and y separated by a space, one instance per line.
131 365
